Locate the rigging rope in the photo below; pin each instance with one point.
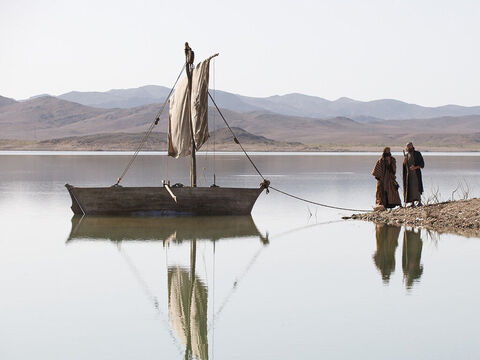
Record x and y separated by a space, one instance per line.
214 127
234 137
149 293
266 183
150 129
252 262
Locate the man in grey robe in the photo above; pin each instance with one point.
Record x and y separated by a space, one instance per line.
412 176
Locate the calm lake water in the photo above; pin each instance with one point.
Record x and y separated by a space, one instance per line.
293 281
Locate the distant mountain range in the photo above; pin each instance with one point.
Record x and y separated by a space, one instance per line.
290 104
122 98
6 101
45 118
157 141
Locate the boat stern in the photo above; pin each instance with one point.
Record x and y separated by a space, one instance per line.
76 207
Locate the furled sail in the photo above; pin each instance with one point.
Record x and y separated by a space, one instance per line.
186 112
199 105
179 134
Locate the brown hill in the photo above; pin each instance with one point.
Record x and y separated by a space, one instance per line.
6 101
156 141
47 118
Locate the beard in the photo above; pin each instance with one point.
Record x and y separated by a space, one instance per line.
411 150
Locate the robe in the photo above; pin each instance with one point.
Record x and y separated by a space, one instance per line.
387 186
414 188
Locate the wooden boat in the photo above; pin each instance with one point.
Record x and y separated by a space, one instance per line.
187 132
157 201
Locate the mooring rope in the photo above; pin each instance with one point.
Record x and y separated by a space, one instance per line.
317 203
266 182
155 121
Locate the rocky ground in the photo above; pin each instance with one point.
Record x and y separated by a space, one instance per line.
460 217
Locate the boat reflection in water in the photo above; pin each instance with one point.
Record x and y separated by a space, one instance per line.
384 257
117 228
187 292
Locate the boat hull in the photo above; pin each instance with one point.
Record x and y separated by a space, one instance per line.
157 201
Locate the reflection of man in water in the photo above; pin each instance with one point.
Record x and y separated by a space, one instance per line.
411 256
384 257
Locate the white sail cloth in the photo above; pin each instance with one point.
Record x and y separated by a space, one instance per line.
181 108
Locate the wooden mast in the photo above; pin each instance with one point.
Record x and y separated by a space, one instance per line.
189 58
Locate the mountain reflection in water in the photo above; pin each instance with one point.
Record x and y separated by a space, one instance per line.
384 257
187 292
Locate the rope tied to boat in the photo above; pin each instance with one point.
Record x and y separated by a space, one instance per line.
317 203
149 131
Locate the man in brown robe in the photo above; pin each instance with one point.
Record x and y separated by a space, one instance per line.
387 186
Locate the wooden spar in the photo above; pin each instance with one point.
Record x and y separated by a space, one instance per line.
171 192
189 59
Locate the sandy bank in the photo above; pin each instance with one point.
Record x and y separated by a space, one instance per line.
460 217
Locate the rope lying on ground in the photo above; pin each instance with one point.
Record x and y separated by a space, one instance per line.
149 131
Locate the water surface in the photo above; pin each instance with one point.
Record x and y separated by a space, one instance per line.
291 281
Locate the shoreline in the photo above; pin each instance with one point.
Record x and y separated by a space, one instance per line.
129 142
461 217
472 153
260 149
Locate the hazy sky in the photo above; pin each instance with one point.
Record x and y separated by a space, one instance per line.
420 51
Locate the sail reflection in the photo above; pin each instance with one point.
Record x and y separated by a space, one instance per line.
384 257
187 310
